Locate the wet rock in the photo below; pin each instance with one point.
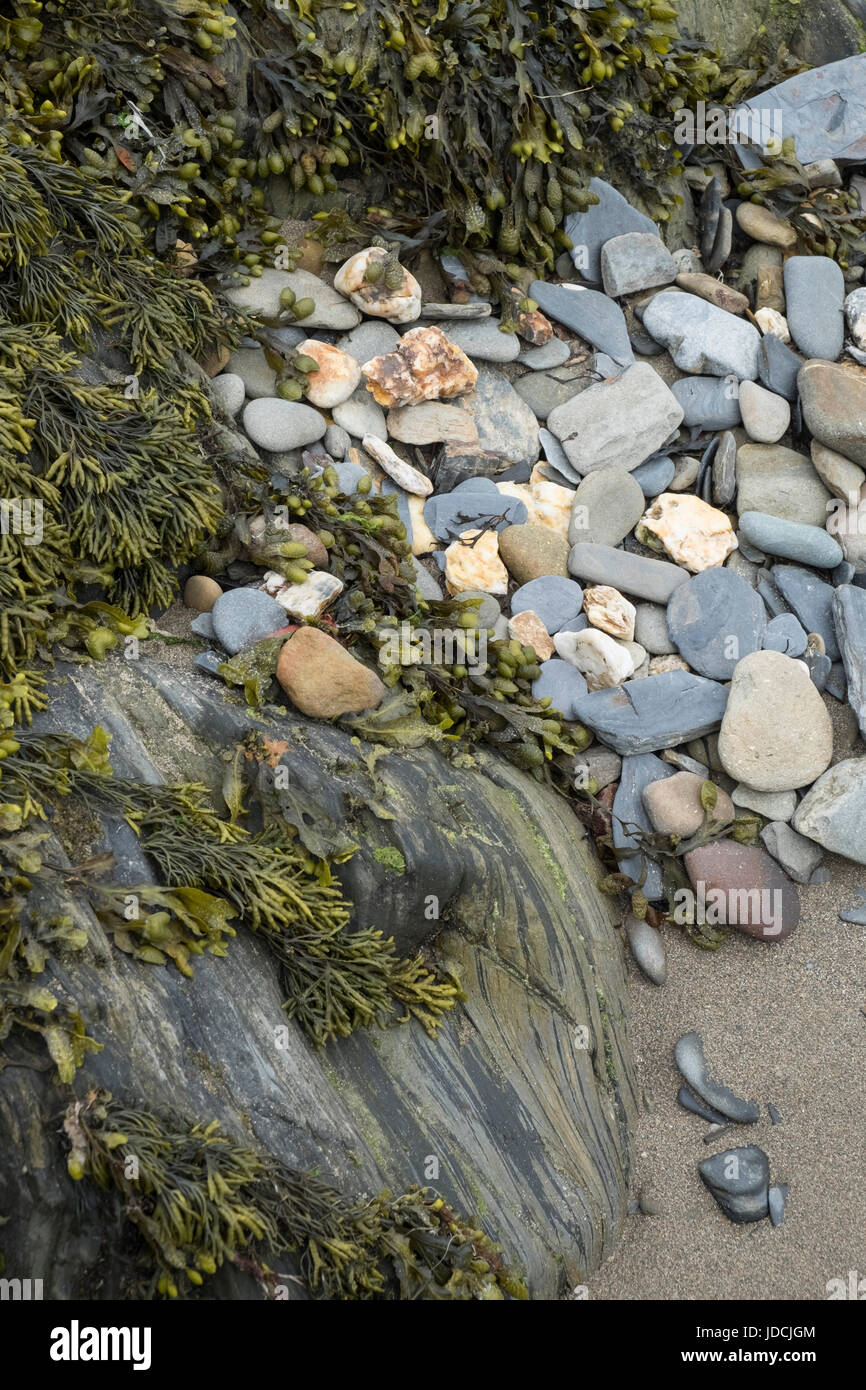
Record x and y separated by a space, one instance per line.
771 805
564 685
833 811
652 477
337 377
694 534
472 562
659 712
402 305
503 422
647 949
778 367
798 856
229 390
611 216
791 540
629 810
617 423
556 601
532 551
786 635
708 401
812 601
607 609
814 295
833 398
843 478
322 679
651 629
714 291
406 477
261 297
780 482
777 1198
635 261
766 416
597 319
242 617
739 1180
674 804
201 593
631 574
689 1101
776 734
849 615
424 366
702 338
279 426
692 1064
761 224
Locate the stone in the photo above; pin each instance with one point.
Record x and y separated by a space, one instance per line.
839 475
631 574
780 482
601 660
278 528
257 377
360 415
714 621
598 764
674 805
532 551
812 601
833 811
308 600
779 806
426 585
376 300
778 367
724 475
475 566
482 339
651 629
242 617
547 504
814 296
544 391
659 712
202 626
761 224
261 298
702 338
597 319
848 526
611 216
714 291
322 679
772 321
659 664
456 463
786 635
777 1196
279 426
653 477
708 401
791 540
503 422
617 423
337 377
692 1065
645 944
431 422
372 338
739 1180
740 886
403 474
229 391
424 366
470 503
338 441
798 856
766 416
526 627
349 474
607 609
556 601
686 473
563 684
849 614
606 507
200 593
628 809
694 534
553 354
635 261
487 608
776 734
855 316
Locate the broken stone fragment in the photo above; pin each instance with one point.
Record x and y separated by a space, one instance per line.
528 628
307 600
472 562
374 297
608 610
602 661
425 366
403 474
692 532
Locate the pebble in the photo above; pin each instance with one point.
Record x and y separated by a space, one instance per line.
402 305
771 321
563 683
653 477
692 1065
201 593
811 600
242 617
686 473
607 506
278 425
611 216
674 804
628 810
372 338
544 391
617 423
337 442
766 416
337 377
658 712
631 574
349 474
229 390
488 610
431 422
651 629
856 913
597 319
714 291
261 297
714 620
763 225
202 626
798 856
777 1198
482 339
776 734
833 811
855 316
427 587
770 805
528 629
607 609
598 764
780 482
250 365
403 474
708 401
478 500
849 615
552 354
689 1101
530 551
739 1180
322 679
635 261
843 478
602 661
503 422
694 534
702 338
556 601
814 296
786 635
209 662
791 540
475 566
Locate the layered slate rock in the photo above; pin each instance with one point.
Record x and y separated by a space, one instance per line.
833 811
812 601
617 423
849 613
628 808
597 319
716 619
656 712
702 338
613 215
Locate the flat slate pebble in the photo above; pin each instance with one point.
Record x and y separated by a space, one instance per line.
242 617
798 856
607 506
715 620
811 600
635 261
815 295
651 629
628 809
551 354
647 949
702 338
833 811
563 683
778 367
475 501
657 712
791 539
597 319
785 634
278 425
611 216
654 476
692 1065
557 601
481 339
372 338
708 401
631 574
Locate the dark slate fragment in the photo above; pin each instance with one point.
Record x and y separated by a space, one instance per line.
715 620
589 313
812 601
785 634
656 712
628 807
856 913
778 367
689 1101
776 1200
689 1057
849 614
739 1179
611 216
243 617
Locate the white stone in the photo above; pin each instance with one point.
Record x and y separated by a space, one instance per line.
307 600
403 474
601 660
397 306
606 608
475 566
771 321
